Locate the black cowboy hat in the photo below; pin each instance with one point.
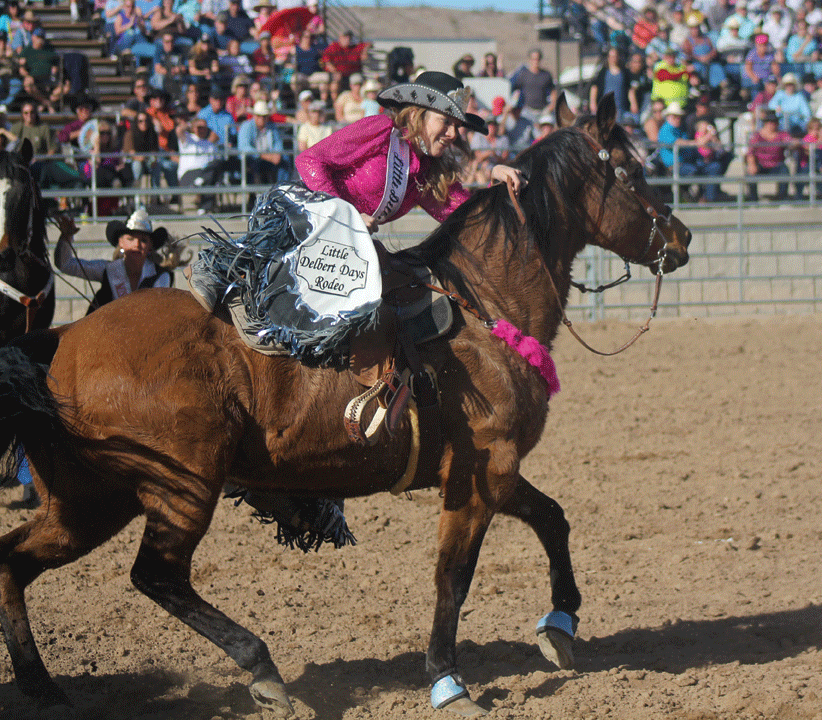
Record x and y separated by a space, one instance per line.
139 221
84 99
435 91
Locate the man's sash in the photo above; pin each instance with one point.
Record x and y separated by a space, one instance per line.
396 177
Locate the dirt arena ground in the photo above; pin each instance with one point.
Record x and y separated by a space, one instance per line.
689 469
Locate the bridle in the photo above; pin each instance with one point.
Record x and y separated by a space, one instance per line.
32 303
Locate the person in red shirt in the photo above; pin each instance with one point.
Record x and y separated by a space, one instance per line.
342 58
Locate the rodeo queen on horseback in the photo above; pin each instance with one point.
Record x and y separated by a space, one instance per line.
137 265
309 274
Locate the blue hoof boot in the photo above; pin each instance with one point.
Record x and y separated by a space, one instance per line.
555 635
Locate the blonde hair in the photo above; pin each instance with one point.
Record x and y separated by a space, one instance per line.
445 170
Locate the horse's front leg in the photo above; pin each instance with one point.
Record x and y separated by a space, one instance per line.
556 630
461 532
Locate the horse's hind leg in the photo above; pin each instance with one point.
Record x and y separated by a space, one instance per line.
544 515
57 535
162 571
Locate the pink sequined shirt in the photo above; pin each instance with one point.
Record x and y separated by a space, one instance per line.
351 164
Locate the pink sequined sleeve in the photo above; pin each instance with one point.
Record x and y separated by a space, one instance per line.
457 195
328 165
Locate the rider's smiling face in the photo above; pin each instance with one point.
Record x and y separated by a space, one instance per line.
438 132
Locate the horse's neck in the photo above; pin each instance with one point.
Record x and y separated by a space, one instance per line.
511 281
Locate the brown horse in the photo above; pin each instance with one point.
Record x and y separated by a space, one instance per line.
26 280
150 405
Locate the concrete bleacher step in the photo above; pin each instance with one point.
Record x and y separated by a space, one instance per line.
53 13
67 29
103 67
91 48
113 84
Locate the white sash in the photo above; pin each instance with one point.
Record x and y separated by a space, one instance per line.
117 279
396 177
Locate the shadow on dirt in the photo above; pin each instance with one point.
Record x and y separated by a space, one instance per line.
332 688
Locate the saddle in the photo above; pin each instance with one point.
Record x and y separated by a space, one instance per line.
383 358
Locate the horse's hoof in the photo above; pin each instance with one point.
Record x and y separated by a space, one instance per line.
556 646
466 707
271 695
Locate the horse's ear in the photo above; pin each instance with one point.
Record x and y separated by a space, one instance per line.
27 152
565 116
606 117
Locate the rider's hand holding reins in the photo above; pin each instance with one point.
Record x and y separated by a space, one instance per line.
68 229
510 176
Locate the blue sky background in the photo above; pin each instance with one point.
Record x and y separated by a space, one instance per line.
530 6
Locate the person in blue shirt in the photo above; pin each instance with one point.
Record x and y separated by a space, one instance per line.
218 119
673 137
791 106
262 143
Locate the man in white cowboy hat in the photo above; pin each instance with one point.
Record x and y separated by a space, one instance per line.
262 144
791 106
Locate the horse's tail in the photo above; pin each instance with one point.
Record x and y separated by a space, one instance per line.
29 413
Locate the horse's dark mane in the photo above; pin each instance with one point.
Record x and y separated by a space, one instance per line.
12 167
556 167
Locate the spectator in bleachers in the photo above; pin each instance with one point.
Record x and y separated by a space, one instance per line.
163 119
791 106
317 24
5 129
812 139
670 78
83 107
611 21
263 8
10 82
491 66
640 84
263 60
238 23
138 102
716 13
464 67
692 13
759 105
221 35
487 151
219 120
673 138
808 89
315 129
545 126
679 28
733 48
203 62
262 144
141 138
370 89
308 54
766 155
758 64
700 52
519 130
40 71
129 28
234 62
746 25
813 13
167 19
654 121
777 26
211 9
342 58
10 19
538 93
611 78
190 10
196 98
657 47
348 106
22 36
239 103
200 163
107 163
169 67
801 47
646 28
